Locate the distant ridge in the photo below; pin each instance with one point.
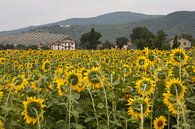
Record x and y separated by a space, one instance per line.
108 19
105 19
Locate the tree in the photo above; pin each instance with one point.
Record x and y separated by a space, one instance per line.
45 47
90 40
176 44
160 42
121 41
142 37
106 45
33 47
20 46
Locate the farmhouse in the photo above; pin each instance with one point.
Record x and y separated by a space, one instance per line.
184 43
64 44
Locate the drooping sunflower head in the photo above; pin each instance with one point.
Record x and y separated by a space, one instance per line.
160 122
142 62
172 103
33 108
135 107
73 80
174 87
151 57
145 86
178 56
60 84
46 66
93 78
19 82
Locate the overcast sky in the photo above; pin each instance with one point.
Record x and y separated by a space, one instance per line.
21 13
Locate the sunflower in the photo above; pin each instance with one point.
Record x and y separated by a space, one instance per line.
134 107
73 80
126 70
60 84
171 102
2 61
178 56
30 105
46 66
59 69
142 62
160 122
93 77
175 85
35 86
1 94
19 82
1 125
145 86
151 57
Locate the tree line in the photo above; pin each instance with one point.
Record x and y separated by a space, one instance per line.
141 37
4 46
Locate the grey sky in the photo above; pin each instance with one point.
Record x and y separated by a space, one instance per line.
21 13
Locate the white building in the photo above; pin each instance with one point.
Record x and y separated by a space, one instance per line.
184 43
65 44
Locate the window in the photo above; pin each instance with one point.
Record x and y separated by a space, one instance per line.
184 43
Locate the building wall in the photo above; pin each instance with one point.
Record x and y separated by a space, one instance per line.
184 43
64 45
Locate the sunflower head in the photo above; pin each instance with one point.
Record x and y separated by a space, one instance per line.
135 107
19 82
145 86
1 125
33 108
46 66
175 86
93 78
142 62
159 122
178 56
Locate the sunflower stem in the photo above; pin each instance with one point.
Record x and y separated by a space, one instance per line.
142 112
169 119
93 104
69 107
113 101
177 108
38 122
106 100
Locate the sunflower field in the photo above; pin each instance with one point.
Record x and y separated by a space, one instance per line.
97 89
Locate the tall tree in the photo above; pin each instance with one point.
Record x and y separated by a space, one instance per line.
142 37
121 41
90 40
176 43
107 45
160 40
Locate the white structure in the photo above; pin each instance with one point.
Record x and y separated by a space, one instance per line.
184 43
65 44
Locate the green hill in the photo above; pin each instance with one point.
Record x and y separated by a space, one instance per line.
173 24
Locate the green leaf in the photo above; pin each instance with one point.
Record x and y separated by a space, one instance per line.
76 96
78 126
88 119
60 122
7 109
100 105
75 114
